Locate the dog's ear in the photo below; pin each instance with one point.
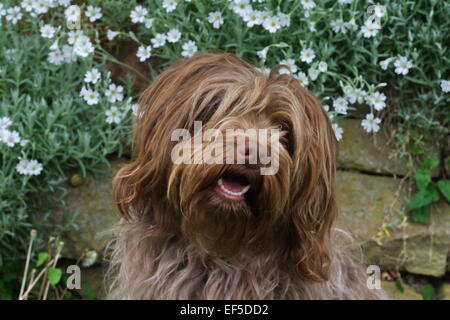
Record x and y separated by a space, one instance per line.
313 203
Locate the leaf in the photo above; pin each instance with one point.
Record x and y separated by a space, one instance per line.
444 187
423 178
420 215
54 275
430 162
428 292
399 285
42 257
420 199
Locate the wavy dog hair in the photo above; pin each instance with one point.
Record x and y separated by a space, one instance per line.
179 239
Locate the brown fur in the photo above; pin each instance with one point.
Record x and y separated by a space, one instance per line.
180 240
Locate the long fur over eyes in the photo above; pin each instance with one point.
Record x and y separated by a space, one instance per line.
179 239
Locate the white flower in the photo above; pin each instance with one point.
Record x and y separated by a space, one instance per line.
24 142
83 46
5 122
308 4
189 48
114 93
338 131
90 96
302 78
111 34
27 5
47 31
92 76
402 65
55 56
313 73
93 13
290 63
272 24
284 19
307 55
159 40
13 14
135 108
345 1
148 22
371 124
41 6
64 3
370 29
252 17
323 66
68 54
445 86
379 11
262 54
169 5
72 13
377 100
240 6
173 35
2 11
138 14
351 25
385 63
9 137
339 26
89 258
215 18
32 167
113 115
144 53
73 36
340 105
354 94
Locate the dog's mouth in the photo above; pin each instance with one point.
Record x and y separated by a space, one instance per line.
232 187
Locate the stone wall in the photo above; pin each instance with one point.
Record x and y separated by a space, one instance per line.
371 197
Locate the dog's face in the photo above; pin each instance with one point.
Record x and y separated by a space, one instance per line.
264 180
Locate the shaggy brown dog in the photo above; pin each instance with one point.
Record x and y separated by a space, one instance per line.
183 237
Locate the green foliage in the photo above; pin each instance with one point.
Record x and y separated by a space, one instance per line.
428 292
42 258
399 285
54 275
428 191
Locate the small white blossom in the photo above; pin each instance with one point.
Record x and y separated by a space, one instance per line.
31 167
169 5
135 108
73 36
370 123
113 115
144 53
308 4
138 14
340 105
215 18
345 1
189 48
370 29
402 65
379 11
27 5
72 13
338 131
323 66
47 31
377 100
385 63
68 54
290 63
5 122
83 46
445 86
10 138
93 13
302 78
114 93
173 35
284 19
313 73
307 55
55 57
92 76
262 54
271 24
338 26
148 23
13 14
90 96
111 34
159 40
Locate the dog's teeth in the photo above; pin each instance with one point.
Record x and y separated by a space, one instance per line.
222 187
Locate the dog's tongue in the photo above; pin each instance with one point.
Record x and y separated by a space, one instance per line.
232 184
